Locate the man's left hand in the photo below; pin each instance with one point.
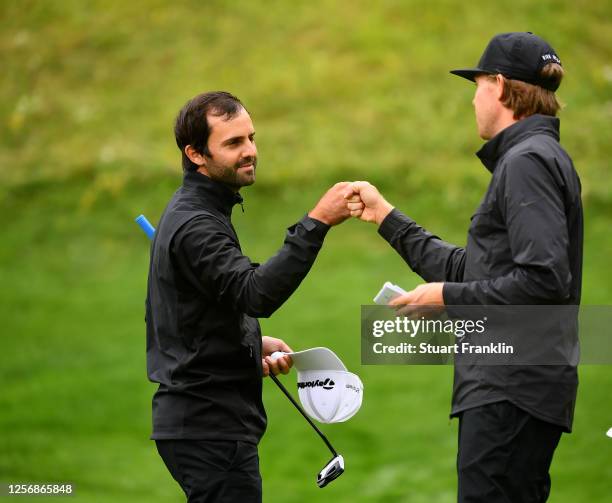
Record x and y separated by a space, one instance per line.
280 365
429 294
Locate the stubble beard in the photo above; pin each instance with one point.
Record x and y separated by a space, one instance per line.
232 175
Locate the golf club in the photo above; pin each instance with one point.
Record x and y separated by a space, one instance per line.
334 467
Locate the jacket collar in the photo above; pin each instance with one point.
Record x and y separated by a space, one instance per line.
497 146
217 194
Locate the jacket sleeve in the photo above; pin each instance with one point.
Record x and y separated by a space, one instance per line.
210 258
531 204
426 254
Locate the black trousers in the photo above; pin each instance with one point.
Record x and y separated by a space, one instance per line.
214 470
504 455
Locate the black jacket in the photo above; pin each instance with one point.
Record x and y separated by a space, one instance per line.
524 247
204 295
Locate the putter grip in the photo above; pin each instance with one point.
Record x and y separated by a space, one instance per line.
146 226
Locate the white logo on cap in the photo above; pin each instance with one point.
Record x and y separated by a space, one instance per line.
548 57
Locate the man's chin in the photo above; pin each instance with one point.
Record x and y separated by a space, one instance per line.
246 179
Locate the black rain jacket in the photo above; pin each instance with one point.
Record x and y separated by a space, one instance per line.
203 298
524 247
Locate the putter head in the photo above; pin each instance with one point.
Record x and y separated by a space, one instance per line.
331 471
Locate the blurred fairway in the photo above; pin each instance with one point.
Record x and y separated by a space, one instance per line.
337 90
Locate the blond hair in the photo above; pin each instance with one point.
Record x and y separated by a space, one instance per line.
527 99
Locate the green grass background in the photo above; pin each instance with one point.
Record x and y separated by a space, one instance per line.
337 90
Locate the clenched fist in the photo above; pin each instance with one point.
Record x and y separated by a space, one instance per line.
366 203
331 208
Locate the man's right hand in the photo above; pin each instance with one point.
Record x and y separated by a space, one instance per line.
331 208
366 203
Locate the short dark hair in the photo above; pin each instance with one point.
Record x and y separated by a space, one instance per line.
191 125
529 99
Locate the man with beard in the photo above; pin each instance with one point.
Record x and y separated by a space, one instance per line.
204 344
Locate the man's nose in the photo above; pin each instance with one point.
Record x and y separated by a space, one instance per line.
250 149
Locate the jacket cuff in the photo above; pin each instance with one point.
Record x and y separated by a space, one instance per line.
314 227
452 293
393 222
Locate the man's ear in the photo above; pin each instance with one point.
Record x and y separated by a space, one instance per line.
194 156
499 84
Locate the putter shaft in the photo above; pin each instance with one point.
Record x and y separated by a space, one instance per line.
297 406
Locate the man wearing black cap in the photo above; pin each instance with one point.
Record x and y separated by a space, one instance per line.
524 246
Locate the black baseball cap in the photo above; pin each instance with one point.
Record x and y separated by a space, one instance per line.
517 55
